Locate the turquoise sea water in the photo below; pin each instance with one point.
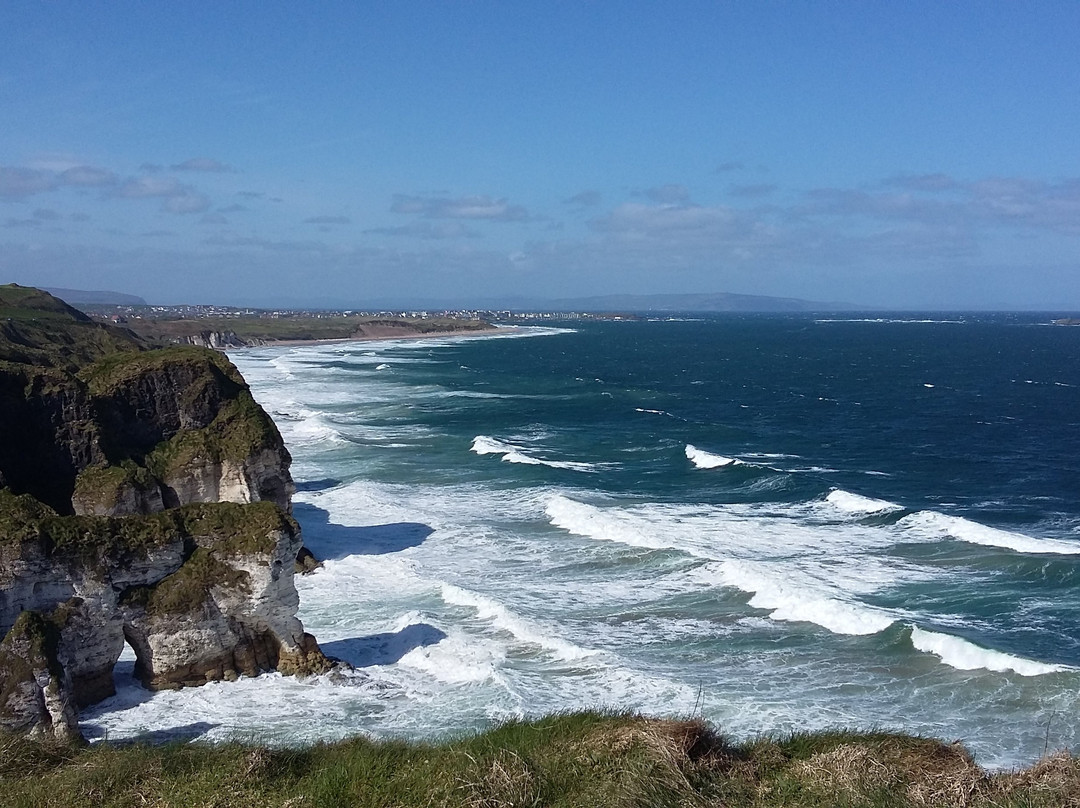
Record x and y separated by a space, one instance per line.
780 522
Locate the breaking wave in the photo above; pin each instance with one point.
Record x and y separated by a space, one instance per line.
967 656
707 460
482 445
933 525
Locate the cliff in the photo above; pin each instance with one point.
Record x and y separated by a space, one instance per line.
144 497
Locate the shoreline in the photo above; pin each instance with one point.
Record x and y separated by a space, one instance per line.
486 332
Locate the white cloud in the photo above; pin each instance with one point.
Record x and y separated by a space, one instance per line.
87 176
20 182
186 202
202 164
427 230
587 199
176 197
670 194
464 207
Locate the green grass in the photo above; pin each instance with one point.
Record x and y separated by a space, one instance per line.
240 430
300 327
38 329
572 760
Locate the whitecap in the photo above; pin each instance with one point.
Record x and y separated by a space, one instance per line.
967 656
483 444
707 460
455 660
803 601
599 523
854 503
524 630
933 525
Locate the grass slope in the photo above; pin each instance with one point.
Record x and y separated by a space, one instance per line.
303 328
574 760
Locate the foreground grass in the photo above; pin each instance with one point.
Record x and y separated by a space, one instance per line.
574 760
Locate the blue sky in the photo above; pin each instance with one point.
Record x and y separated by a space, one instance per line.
916 154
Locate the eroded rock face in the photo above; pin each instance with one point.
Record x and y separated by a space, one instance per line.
261 476
228 615
36 691
201 593
144 496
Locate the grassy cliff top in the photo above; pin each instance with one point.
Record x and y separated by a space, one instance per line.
39 329
582 760
28 303
115 369
302 328
229 528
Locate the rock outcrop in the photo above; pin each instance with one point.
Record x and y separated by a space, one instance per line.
144 498
219 340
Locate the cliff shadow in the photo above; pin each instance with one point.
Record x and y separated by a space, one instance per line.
185 732
328 540
318 485
383 649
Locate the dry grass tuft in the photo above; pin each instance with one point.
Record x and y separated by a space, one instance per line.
847 769
1053 780
674 741
504 782
926 773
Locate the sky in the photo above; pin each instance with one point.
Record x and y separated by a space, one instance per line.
342 154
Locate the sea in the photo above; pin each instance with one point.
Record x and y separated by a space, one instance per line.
775 522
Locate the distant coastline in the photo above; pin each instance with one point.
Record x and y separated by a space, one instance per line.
225 332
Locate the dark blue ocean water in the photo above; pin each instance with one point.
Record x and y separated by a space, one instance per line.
782 522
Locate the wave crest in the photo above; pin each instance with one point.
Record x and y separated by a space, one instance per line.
854 503
483 444
707 460
933 525
488 609
967 656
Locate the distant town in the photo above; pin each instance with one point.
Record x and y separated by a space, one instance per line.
125 313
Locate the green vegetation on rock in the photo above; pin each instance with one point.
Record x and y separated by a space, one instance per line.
39 329
240 429
233 529
40 637
229 528
186 590
105 485
20 517
110 372
580 760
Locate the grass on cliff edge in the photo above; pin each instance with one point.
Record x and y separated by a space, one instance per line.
574 760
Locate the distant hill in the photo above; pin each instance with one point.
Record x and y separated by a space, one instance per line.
720 301
75 297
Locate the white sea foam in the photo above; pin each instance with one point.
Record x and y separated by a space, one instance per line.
382 366
708 460
482 445
524 630
967 656
312 429
282 365
788 565
456 660
933 525
803 601
605 524
854 503
661 622
889 320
